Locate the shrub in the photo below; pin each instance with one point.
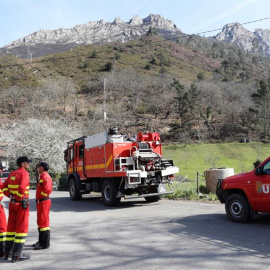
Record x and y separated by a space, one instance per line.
94 54
148 67
117 55
108 67
200 76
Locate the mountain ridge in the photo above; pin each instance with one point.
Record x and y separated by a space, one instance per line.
93 32
254 42
44 42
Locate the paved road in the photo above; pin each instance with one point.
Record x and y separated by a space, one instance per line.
171 235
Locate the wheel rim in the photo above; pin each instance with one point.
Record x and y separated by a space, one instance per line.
107 193
237 208
72 188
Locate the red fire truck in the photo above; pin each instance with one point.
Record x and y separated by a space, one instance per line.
118 166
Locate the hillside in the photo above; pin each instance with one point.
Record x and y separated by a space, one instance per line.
192 89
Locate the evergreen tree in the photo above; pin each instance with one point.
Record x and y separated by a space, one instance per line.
262 108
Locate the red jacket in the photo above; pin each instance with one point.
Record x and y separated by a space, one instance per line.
17 184
44 187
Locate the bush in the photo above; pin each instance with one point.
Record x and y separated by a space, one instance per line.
94 54
153 61
117 55
148 67
108 67
200 76
203 189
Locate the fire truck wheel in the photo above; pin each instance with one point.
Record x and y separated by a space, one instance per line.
109 194
237 208
153 198
74 193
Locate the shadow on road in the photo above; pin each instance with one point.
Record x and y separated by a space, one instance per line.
91 203
250 238
61 202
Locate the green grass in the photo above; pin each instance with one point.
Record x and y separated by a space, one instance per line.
193 158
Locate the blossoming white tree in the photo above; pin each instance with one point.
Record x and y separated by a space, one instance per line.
39 140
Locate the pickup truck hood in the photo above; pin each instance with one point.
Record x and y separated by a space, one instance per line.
238 177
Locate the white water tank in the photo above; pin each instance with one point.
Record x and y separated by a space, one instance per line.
212 176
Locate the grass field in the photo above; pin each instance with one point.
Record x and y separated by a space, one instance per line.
193 158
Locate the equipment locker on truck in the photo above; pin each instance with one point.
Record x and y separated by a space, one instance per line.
118 166
246 194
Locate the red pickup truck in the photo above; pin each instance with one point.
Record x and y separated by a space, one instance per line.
4 176
246 194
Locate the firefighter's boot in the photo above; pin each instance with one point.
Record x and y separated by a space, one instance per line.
2 248
38 242
8 247
47 239
17 253
44 240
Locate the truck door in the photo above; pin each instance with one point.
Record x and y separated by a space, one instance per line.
79 160
261 187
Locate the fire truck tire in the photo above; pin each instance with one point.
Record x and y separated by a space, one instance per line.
237 208
153 198
74 193
109 194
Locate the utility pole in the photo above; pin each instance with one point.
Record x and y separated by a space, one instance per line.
29 54
104 100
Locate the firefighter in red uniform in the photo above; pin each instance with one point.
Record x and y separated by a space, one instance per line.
44 189
16 187
3 220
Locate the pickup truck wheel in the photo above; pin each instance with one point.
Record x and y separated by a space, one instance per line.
237 208
74 193
109 194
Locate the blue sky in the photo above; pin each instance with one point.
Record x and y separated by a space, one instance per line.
19 18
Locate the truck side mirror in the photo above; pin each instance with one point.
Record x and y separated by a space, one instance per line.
258 171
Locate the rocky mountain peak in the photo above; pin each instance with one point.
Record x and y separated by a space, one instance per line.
263 34
136 20
94 32
254 42
159 21
118 20
232 31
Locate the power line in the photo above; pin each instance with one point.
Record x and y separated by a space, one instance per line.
209 31
153 42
